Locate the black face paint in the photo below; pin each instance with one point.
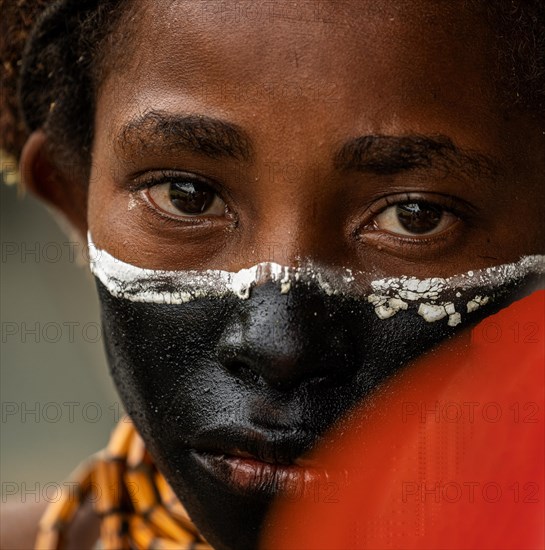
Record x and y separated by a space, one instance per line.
229 389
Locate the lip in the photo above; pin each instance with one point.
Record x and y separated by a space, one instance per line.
271 463
285 446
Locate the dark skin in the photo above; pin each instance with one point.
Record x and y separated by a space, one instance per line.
298 96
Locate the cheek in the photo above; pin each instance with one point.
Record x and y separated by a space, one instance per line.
160 357
105 216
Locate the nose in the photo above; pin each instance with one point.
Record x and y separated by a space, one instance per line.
287 340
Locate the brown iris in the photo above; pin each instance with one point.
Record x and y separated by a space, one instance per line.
418 217
191 197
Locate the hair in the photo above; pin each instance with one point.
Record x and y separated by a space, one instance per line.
55 55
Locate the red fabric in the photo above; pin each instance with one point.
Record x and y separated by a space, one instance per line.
468 474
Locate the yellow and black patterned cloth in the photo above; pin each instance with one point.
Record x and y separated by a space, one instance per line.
136 506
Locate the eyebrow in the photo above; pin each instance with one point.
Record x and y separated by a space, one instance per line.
385 155
211 137
378 154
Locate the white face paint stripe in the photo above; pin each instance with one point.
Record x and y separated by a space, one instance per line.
137 284
388 296
393 294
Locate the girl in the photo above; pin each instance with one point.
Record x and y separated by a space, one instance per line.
286 203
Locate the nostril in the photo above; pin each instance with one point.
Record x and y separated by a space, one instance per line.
241 369
258 366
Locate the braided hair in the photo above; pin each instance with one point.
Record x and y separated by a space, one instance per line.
55 54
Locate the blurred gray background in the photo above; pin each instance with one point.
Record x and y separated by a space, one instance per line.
58 404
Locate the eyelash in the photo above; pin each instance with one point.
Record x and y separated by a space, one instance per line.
457 207
405 244
159 177
141 182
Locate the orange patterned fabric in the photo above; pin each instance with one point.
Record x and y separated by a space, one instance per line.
136 506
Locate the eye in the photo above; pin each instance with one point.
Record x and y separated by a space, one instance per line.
414 218
186 197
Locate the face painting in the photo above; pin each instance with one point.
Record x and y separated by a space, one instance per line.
232 378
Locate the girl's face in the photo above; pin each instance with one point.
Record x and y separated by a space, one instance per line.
358 135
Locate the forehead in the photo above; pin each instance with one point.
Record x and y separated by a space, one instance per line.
375 64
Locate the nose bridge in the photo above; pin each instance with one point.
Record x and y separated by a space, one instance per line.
280 229
284 340
287 224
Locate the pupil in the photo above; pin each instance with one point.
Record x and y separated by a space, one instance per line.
419 217
189 197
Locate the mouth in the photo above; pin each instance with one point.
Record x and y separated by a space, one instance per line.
251 462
